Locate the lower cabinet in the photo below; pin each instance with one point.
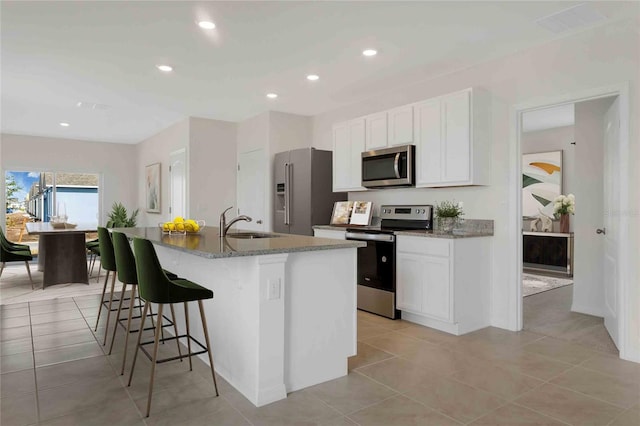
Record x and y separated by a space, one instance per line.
444 283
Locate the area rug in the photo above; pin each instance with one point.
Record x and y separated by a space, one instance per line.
533 284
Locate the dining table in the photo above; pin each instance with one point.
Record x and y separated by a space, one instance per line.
62 254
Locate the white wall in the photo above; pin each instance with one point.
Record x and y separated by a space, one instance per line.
116 164
595 58
156 149
588 289
556 139
212 168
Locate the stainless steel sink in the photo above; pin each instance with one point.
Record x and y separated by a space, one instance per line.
250 235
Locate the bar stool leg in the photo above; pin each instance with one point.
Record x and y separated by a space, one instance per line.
99 269
155 358
206 338
113 336
113 287
175 329
126 337
186 317
135 354
104 290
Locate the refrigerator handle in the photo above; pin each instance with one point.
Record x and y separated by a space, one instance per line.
286 193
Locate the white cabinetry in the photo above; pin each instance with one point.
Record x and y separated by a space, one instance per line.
376 134
444 283
400 126
329 233
452 147
348 144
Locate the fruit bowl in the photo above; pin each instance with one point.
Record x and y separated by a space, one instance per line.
184 227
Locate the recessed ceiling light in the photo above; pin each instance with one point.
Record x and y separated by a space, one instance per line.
272 95
165 68
65 124
369 52
207 25
312 77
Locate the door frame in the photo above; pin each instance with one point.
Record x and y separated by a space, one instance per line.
186 182
627 346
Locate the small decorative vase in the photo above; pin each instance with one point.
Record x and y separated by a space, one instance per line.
564 223
446 224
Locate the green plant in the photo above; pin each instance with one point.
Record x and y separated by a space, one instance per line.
449 209
119 218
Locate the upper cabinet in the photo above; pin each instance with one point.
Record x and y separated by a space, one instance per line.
452 147
348 145
450 132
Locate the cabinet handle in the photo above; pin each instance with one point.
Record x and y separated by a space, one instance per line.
602 231
396 165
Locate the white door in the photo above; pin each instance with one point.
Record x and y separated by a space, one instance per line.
251 189
178 184
611 225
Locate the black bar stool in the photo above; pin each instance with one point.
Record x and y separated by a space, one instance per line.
155 287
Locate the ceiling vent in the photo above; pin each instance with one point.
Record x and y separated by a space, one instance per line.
92 105
574 17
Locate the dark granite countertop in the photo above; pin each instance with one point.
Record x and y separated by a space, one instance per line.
207 243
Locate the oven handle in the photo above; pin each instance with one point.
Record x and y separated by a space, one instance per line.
396 166
386 238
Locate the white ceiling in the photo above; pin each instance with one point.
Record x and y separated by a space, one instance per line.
56 54
548 118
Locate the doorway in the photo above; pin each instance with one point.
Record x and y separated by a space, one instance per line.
251 184
583 298
178 184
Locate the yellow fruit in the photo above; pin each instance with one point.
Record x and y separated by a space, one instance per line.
188 226
180 227
172 226
165 226
191 221
178 219
196 227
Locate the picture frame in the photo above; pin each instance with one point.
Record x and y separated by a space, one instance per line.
341 212
361 214
541 182
152 188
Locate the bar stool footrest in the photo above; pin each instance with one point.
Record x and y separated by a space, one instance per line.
168 322
173 358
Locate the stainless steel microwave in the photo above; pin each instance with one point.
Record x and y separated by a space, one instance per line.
393 166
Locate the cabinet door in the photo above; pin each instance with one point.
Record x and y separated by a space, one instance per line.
409 281
457 138
428 132
357 141
341 158
401 126
376 134
436 293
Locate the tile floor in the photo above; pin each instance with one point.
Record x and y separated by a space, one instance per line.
55 372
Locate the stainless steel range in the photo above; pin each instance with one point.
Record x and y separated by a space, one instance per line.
376 261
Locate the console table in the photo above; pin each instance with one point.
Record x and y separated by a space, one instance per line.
548 251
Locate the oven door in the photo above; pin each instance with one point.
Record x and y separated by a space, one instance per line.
376 276
388 167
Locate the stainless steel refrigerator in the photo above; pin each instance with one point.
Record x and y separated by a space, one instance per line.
303 190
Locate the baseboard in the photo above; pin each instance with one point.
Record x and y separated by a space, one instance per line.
588 310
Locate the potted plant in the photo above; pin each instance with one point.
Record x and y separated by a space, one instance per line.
119 218
448 214
563 206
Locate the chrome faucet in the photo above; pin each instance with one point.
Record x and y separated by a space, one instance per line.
224 227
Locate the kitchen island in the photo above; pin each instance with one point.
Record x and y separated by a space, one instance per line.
283 316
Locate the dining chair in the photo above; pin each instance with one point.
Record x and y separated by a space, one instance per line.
12 252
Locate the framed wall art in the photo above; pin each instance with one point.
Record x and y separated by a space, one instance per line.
152 185
541 182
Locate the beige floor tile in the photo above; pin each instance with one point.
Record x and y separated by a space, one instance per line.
70 398
499 381
454 399
400 411
55 316
9 306
440 359
16 362
621 392
515 415
120 412
67 353
59 327
387 323
73 371
569 406
19 410
631 417
59 307
12 313
394 343
202 411
367 331
429 334
7 334
367 355
16 346
67 338
18 382
351 393
560 350
398 374
531 364
498 336
15 322
613 366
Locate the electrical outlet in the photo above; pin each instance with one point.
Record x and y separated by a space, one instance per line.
273 289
